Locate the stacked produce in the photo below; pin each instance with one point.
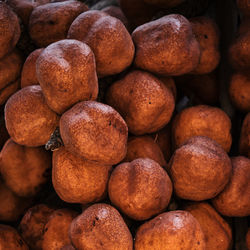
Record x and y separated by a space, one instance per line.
113 134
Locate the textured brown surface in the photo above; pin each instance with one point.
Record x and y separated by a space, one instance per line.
56 229
29 120
143 100
107 37
244 143
9 29
100 226
166 46
207 34
76 180
144 189
24 169
50 22
172 230
144 147
217 232
199 169
8 90
10 239
28 75
202 120
31 227
239 91
12 206
67 74
244 6
234 199
94 131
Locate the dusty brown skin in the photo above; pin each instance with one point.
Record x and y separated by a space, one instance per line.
66 73
244 144
94 131
164 3
239 51
9 30
31 227
144 189
68 247
201 89
170 84
10 239
56 229
207 34
76 180
115 11
100 226
10 70
172 230
143 100
202 120
144 147
12 206
25 170
107 37
244 7
50 22
28 75
200 169
29 120
166 46
239 90
234 199
217 232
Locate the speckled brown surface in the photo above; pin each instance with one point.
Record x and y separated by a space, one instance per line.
170 230
28 75
144 101
205 121
107 37
9 29
144 189
200 169
100 226
94 131
144 147
10 239
56 229
66 72
244 143
207 34
239 90
217 232
76 180
28 118
166 46
10 70
24 169
50 22
234 199
31 226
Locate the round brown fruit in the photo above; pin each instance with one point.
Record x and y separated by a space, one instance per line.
199 169
144 189
94 131
244 145
171 230
29 120
100 226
